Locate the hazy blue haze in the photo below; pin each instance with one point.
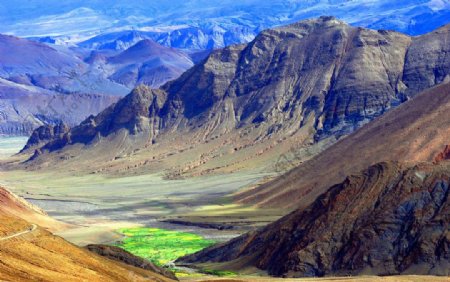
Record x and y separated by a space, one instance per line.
219 22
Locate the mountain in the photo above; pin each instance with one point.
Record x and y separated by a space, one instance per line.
203 24
24 108
45 84
120 40
299 86
205 37
414 132
390 219
148 63
30 63
23 56
30 252
40 85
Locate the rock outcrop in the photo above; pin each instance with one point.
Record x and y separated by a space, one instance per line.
45 134
444 155
388 220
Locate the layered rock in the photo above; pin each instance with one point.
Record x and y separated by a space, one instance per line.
416 131
44 134
299 84
444 155
390 219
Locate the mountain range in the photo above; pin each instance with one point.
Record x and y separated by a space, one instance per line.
391 218
416 131
199 24
301 86
343 128
46 84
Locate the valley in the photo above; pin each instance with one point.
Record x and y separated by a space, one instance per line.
202 141
98 217
105 202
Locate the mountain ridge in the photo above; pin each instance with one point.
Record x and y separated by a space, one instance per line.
255 97
391 219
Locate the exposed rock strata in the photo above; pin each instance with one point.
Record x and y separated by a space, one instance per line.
388 220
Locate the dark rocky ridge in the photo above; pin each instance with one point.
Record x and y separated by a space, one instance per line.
118 254
46 133
388 220
322 76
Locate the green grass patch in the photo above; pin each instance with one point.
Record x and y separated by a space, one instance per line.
220 273
161 246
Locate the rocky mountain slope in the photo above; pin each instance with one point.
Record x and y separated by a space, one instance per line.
388 220
24 108
416 131
245 105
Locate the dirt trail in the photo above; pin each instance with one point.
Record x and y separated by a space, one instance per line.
29 230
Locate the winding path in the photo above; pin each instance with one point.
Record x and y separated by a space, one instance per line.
29 230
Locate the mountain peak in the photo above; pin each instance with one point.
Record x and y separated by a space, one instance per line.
144 50
146 44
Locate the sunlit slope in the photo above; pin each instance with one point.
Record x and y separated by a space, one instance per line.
41 256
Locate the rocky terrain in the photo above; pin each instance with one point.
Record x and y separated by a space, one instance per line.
304 84
414 132
390 219
46 133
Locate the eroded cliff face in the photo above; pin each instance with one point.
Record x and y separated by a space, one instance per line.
44 134
310 81
390 219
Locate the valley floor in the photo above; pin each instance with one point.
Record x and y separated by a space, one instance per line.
98 205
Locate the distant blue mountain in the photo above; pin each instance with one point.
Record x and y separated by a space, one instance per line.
46 84
204 24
